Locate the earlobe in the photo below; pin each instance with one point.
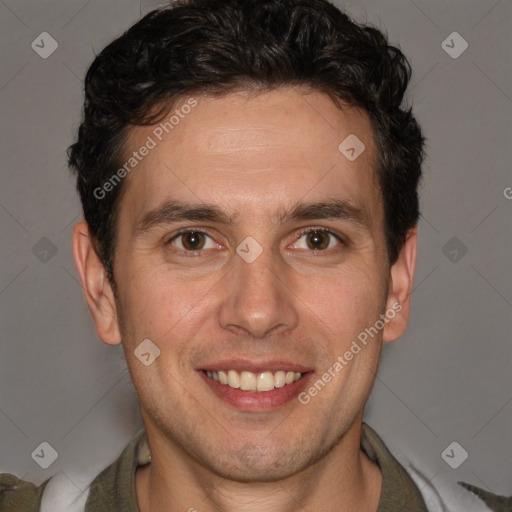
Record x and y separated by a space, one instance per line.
97 289
401 279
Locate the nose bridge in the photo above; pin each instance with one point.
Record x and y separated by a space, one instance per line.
257 272
256 299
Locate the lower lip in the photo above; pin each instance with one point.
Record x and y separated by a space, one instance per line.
256 401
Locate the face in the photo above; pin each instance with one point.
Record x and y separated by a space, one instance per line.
248 242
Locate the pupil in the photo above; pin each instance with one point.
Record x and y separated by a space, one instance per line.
316 239
192 240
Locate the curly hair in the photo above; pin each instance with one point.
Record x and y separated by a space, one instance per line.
220 46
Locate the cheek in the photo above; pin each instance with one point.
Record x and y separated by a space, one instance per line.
345 301
158 305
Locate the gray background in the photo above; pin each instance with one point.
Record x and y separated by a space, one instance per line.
448 379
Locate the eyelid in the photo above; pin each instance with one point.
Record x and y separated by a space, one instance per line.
323 229
184 231
302 232
189 230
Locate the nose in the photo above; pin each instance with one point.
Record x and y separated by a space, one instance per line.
258 297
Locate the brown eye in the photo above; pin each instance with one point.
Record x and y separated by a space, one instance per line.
317 240
192 241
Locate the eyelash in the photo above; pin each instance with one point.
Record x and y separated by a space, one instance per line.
321 230
194 254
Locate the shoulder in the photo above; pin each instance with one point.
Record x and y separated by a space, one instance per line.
445 495
112 489
17 495
57 494
399 491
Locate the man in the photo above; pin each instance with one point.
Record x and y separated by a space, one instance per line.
248 177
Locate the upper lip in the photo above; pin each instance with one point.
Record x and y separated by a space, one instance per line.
255 366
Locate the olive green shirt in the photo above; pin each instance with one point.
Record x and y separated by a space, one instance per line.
113 490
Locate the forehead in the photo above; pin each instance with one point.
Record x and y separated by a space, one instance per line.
253 153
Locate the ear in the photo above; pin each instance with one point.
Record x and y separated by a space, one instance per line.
97 289
398 304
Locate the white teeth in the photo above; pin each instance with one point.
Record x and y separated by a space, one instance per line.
265 381
248 381
233 379
279 379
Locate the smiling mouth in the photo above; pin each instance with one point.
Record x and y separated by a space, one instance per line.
254 382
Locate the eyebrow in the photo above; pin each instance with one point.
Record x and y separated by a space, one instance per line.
171 211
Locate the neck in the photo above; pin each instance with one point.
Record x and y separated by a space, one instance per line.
342 480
